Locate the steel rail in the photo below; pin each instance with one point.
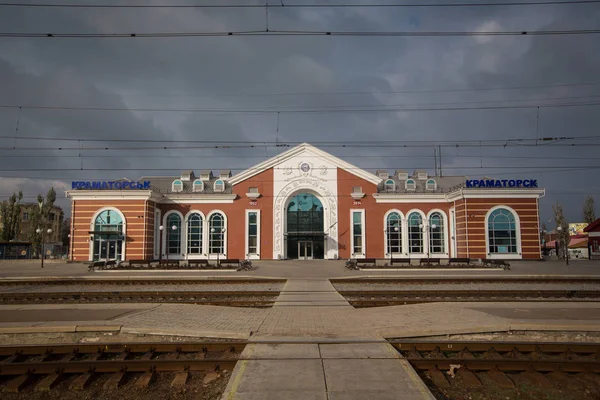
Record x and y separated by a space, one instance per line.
136 281
466 280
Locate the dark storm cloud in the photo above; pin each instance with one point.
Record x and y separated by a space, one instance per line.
243 72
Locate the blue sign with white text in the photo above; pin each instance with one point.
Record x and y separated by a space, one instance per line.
110 185
501 183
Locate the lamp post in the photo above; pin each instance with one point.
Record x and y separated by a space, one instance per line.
566 245
160 229
425 229
173 228
41 231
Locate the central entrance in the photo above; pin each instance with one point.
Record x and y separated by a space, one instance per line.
305 236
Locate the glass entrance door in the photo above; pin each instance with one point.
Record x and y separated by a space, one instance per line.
305 250
107 249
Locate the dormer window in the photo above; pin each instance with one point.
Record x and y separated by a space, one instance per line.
198 186
421 175
431 185
177 185
382 174
410 184
390 185
219 186
402 175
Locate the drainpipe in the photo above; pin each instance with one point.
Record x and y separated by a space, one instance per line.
467 223
145 219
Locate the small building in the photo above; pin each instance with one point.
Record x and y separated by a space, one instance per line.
593 232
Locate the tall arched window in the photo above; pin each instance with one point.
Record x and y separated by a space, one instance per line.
436 233
194 234
415 233
502 232
174 234
394 233
217 232
390 185
108 236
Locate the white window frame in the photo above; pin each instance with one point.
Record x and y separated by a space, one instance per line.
252 256
363 231
157 223
403 230
92 223
446 231
182 236
207 236
434 184
195 256
201 186
385 185
424 235
414 183
174 183
508 256
215 186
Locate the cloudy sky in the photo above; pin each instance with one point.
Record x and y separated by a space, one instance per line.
347 83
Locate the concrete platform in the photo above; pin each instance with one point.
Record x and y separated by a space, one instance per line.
310 292
324 371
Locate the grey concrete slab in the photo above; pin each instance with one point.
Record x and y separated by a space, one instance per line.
358 350
280 375
393 375
377 395
64 314
283 351
277 395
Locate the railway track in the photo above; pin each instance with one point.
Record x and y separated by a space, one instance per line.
226 298
468 280
493 366
378 298
81 363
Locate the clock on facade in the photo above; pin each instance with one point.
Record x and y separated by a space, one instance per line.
304 167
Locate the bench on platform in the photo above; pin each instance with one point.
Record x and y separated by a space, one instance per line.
459 261
96 264
168 263
405 261
492 262
198 263
139 263
429 261
361 262
229 261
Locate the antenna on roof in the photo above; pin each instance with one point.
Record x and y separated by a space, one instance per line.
440 161
435 165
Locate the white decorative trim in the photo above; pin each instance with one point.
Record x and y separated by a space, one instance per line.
298 150
446 254
357 196
199 199
253 256
253 196
362 234
409 198
402 231
157 233
496 193
92 223
452 232
507 256
111 195
224 254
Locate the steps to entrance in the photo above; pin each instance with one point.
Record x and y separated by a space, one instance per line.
308 292
308 371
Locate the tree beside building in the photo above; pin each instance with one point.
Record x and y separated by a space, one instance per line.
589 215
10 217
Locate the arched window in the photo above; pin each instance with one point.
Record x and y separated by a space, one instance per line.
108 221
430 184
174 234
390 185
198 186
217 232
502 232
108 236
177 185
410 184
436 233
194 234
394 233
415 233
219 186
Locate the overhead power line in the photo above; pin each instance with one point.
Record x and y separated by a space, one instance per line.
63 35
285 4
308 110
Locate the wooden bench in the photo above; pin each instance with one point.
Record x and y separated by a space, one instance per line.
168 263
366 261
459 261
429 261
198 263
229 261
492 262
405 261
110 264
140 263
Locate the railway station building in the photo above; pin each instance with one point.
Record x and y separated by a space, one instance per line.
305 204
